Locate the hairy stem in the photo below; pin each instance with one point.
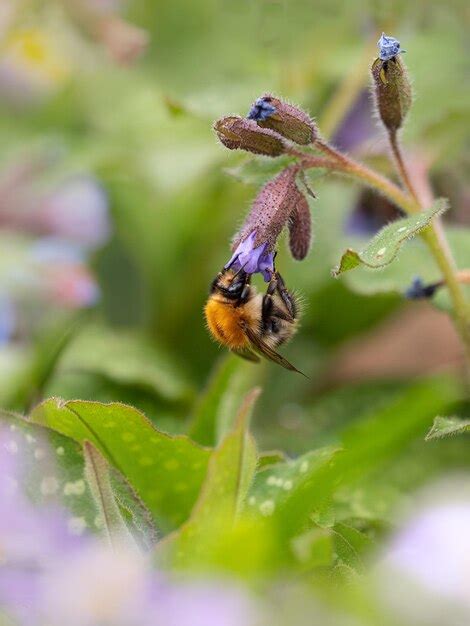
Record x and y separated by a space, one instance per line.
338 162
401 166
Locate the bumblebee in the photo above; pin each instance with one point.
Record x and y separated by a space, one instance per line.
250 323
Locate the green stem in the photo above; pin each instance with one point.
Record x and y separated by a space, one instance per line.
436 240
433 236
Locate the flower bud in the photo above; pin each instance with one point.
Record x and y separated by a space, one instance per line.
238 133
289 121
278 204
418 290
300 229
389 47
392 91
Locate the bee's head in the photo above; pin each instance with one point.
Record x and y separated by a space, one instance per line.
230 284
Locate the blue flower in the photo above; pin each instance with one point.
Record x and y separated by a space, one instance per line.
418 290
252 259
261 110
389 47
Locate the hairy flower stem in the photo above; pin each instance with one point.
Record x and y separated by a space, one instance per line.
434 235
341 163
401 165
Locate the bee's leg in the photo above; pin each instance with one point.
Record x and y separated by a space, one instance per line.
286 297
267 304
245 292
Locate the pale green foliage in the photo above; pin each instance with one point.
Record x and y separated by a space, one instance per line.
165 471
385 246
448 426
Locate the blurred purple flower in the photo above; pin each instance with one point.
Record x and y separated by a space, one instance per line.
50 576
52 250
77 211
7 318
62 273
433 549
423 575
205 604
252 259
29 537
370 213
358 124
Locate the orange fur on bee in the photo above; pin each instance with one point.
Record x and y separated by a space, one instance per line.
226 322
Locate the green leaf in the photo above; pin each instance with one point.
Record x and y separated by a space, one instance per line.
414 260
166 471
218 404
272 485
55 474
367 445
350 544
125 358
271 457
448 426
52 467
229 475
314 548
385 246
97 475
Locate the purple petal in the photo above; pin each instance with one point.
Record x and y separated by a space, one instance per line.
252 260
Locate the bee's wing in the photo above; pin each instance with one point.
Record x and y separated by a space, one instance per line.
262 348
247 354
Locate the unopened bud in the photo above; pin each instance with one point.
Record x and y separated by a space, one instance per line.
278 204
389 47
238 133
392 91
300 229
289 121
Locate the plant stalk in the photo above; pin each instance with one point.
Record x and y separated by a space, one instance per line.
434 235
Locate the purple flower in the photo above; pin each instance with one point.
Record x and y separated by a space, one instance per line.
261 110
279 204
252 259
357 125
389 47
205 604
50 575
30 538
424 573
370 214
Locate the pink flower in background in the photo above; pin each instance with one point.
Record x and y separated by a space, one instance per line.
62 275
69 218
